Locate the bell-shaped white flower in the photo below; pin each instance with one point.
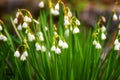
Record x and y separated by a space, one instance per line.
27 19
25 25
57 6
67 32
1 28
38 46
69 14
65 45
103 28
56 12
4 38
40 35
117 47
43 48
94 42
25 53
19 27
15 21
17 54
60 43
76 30
116 42
103 36
41 4
53 48
23 57
1 36
17 14
31 37
77 22
98 46
66 22
57 50
115 17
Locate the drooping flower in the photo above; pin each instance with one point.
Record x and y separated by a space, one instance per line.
67 32
57 50
19 27
1 28
41 4
103 28
4 38
40 35
76 30
25 25
53 48
43 48
77 22
57 6
31 37
17 54
65 45
23 56
115 17
38 46
94 42
103 36
60 43
27 19
98 46
15 21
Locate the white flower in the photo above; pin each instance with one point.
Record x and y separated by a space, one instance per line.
41 4
69 14
4 38
103 36
65 45
60 43
38 47
94 42
27 19
46 28
103 28
67 32
19 27
98 46
1 37
76 30
43 48
116 41
77 22
57 50
1 28
119 32
25 53
66 22
56 12
17 54
55 34
23 57
17 14
115 17
117 47
31 37
40 35
57 6
53 48
15 20
25 25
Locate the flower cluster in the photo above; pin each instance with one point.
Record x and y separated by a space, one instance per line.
99 31
2 36
71 23
22 21
55 10
58 45
23 56
117 40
